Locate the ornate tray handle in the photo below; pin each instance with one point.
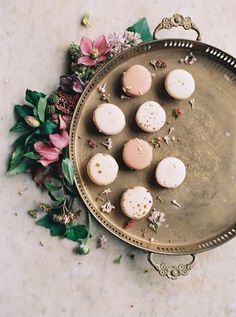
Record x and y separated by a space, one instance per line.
177 20
172 271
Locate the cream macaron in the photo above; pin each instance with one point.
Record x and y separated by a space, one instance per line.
179 84
102 169
109 119
170 172
150 116
136 202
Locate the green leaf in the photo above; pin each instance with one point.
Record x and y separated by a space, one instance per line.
48 127
51 187
76 233
20 140
117 260
55 196
142 28
68 170
33 96
42 104
23 111
18 165
20 126
56 229
32 155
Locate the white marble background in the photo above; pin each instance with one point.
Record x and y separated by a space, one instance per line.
50 280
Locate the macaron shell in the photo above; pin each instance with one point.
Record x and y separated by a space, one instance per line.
137 154
179 84
150 116
136 81
170 172
102 169
109 119
136 202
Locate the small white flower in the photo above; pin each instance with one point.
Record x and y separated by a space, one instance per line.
106 191
102 240
108 143
157 217
102 89
107 207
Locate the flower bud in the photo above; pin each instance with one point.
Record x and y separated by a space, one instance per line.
32 121
83 249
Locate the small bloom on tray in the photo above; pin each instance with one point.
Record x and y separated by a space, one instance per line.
102 240
93 52
92 143
32 121
107 207
106 191
156 219
108 143
102 88
71 84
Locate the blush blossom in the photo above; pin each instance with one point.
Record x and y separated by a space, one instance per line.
50 152
93 52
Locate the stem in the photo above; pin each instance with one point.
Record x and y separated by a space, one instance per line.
89 219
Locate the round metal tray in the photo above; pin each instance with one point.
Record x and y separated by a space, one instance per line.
204 139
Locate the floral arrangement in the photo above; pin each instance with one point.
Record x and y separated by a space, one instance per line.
43 123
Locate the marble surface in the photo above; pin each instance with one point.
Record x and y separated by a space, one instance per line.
51 280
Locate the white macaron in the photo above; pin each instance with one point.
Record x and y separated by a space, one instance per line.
102 169
150 116
136 202
109 119
179 84
170 172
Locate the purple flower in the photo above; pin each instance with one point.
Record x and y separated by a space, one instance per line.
71 84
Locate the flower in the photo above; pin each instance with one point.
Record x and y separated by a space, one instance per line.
65 102
107 207
60 141
63 120
157 217
32 121
93 52
101 241
48 154
71 84
121 41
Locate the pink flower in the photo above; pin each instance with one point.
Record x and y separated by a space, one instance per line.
63 120
93 52
48 154
59 140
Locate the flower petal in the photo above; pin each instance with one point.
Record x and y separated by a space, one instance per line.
45 162
59 140
86 60
65 121
47 152
101 59
86 46
101 45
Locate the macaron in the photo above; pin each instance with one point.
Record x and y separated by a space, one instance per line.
109 119
136 202
137 154
170 172
150 116
179 84
102 169
136 81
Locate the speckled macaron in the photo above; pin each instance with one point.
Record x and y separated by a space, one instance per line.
136 202
137 154
102 169
150 116
170 172
179 84
136 81
109 119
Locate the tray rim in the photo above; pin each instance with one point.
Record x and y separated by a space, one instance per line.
174 43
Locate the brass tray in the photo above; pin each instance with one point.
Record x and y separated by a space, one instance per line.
205 141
